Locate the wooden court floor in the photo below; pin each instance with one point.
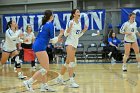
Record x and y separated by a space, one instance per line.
92 78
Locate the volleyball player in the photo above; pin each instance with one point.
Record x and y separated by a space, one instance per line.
45 35
12 37
129 28
73 32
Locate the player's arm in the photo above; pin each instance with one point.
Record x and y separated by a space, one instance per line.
110 42
68 28
123 28
13 36
19 40
83 31
137 32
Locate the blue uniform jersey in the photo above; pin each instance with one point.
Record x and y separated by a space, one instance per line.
46 33
114 41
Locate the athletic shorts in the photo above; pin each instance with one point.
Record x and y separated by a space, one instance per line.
8 50
129 42
39 46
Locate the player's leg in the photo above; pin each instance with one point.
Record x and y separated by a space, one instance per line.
60 79
15 54
127 47
4 58
71 65
44 62
136 50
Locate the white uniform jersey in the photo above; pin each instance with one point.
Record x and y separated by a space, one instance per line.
74 35
29 37
11 39
129 27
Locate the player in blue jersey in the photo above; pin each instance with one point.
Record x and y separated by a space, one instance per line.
44 37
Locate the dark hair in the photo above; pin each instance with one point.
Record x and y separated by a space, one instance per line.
47 15
72 12
131 14
9 24
110 31
111 34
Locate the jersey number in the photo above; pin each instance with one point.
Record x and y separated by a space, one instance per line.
77 31
132 30
41 29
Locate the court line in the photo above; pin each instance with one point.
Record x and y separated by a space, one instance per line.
129 80
15 87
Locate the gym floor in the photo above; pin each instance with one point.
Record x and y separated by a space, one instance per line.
92 78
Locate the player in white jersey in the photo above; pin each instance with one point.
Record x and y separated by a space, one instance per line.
12 37
73 32
129 28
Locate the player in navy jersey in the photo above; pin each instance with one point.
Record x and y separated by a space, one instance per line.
45 36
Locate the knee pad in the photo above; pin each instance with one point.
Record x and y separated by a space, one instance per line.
17 65
17 62
43 71
72 64
17 59
65 65
125 57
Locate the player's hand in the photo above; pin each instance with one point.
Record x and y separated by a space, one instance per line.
129 33
69 29
98 32
60 40
71 24
21 35
85 28
61 32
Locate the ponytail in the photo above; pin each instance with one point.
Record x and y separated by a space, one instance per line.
72 13
71 17
9 25
47 15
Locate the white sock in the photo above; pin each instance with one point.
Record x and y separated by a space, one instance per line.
45 84
31 80
19 73
60 76
110 53
113 59
71 79
124 64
